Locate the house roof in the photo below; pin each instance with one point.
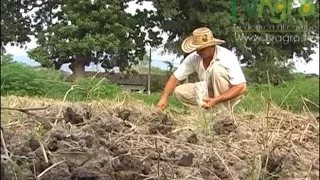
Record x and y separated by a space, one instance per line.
132 79
137 79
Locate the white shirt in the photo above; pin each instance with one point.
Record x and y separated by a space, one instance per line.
193 63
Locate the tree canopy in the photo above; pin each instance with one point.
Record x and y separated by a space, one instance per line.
256 32
172 15
18 24
94 31
82 31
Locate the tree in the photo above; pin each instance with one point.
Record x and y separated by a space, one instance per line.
172 15
14 27
6 58
17 23
94 31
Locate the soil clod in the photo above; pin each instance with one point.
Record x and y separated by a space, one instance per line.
72 117
160 128
274 166
83 174
224 127
186 160
192 139
127 175
124 114
127 163
161 118
53 145
34 144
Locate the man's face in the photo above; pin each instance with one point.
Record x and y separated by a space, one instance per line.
206 53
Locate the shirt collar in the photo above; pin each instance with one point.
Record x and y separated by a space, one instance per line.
215 56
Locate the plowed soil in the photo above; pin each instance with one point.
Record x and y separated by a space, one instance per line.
94 141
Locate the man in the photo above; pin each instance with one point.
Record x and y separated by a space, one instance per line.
216 65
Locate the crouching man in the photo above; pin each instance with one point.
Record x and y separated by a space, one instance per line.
214 64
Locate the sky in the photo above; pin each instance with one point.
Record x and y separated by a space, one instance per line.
156 56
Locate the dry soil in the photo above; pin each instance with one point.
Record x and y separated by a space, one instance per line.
114 141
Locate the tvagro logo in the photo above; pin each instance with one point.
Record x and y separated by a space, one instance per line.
282 7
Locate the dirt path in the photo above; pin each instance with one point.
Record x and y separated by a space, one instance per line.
130 143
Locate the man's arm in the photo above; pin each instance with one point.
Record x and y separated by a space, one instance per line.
171 84
183 71
233 92
237 81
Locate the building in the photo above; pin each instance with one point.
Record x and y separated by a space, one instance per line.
132 82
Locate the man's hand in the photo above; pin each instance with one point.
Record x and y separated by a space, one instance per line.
162 104
171 84
210 102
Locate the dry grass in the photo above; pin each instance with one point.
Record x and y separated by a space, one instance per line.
264 145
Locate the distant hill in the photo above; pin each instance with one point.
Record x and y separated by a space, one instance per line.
26 60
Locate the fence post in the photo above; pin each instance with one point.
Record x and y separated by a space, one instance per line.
149 73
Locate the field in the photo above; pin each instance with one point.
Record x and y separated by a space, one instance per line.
53 130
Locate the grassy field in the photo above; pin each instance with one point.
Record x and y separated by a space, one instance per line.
21 80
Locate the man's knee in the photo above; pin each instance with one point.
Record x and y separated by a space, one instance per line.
185 93
220 71
179 91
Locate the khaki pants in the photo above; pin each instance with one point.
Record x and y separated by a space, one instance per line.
219 84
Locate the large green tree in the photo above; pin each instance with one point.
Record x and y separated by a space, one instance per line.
178 18
18 23
97 31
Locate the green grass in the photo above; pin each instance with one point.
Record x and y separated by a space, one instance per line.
287 95
21 80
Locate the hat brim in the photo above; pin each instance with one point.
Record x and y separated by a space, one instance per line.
187 46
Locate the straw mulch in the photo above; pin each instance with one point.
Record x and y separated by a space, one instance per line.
127 140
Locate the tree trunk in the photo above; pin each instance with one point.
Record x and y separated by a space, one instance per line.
78 65
57 65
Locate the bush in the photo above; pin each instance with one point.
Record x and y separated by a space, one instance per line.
278 73
21 80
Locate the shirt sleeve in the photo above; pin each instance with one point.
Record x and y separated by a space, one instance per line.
185 69
236 73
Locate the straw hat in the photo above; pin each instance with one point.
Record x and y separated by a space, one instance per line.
200 38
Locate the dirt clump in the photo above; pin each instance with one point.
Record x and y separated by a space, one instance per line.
224 127
160 128
34 144
124 114
243 132
160 123
127 163
192 139
60 172
214 168
83 174
186 160
71 116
